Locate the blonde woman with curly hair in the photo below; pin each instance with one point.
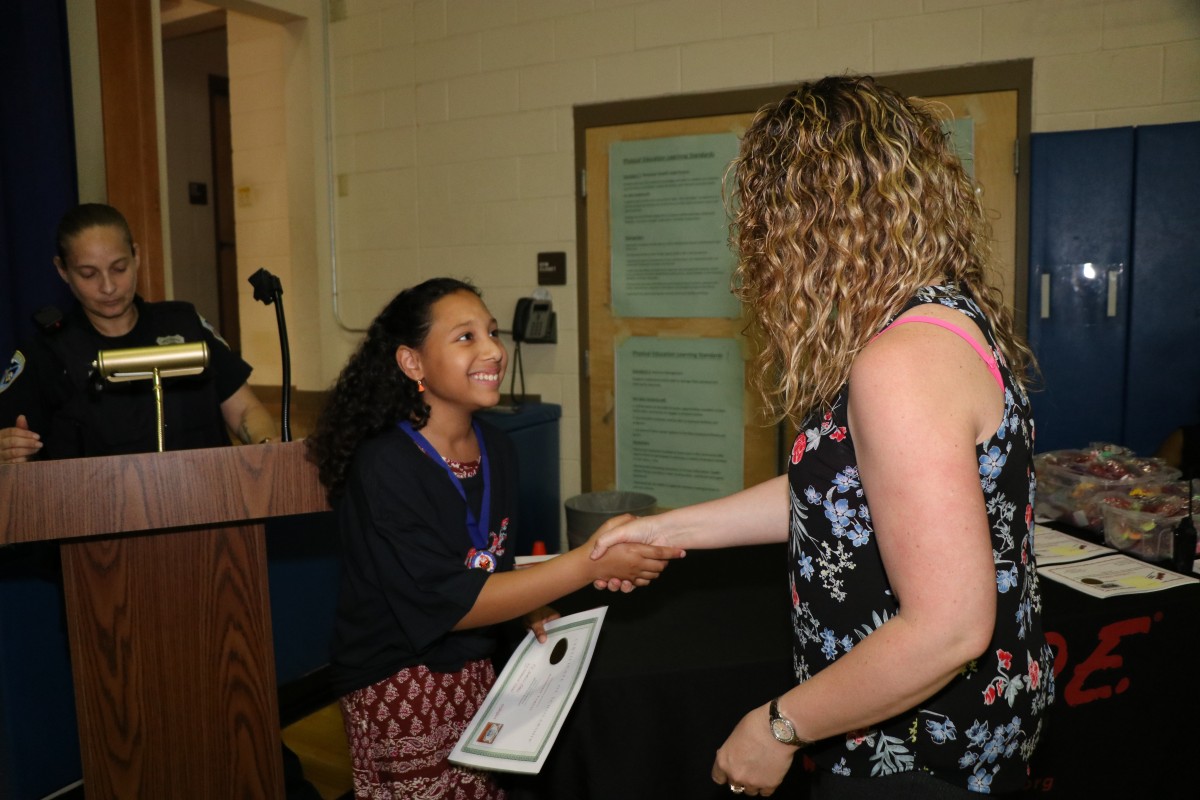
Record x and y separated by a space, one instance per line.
921 667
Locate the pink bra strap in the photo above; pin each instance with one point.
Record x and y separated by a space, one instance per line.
950 326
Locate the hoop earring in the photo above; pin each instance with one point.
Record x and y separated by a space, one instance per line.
420 386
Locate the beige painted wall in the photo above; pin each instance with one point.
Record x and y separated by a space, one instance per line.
452 127
276 166
453 118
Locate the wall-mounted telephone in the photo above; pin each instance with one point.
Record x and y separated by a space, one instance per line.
533 321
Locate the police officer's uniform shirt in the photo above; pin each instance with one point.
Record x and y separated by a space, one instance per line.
50 380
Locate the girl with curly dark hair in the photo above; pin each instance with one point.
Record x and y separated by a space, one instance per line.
426 500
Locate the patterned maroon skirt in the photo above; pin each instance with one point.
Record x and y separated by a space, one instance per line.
402 729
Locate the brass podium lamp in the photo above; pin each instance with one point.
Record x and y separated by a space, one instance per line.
156 363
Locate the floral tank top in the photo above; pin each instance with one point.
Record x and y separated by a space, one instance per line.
980 730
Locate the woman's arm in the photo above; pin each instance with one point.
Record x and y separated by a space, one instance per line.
757 515
247 417
508 595
920 401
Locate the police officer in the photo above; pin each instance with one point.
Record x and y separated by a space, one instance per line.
57 408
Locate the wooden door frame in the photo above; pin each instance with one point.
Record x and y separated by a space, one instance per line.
978 78
125 38
224 221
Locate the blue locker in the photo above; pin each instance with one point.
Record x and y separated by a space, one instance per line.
1162 384
1115 284
1080 234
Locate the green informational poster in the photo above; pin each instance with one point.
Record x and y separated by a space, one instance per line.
670 233
679 418
962 139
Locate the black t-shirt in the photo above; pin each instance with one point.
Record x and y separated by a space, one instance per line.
405 583
50 381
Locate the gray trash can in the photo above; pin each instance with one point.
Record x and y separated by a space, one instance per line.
586 512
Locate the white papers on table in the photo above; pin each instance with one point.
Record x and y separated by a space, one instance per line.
1113 575
1055 547
522 714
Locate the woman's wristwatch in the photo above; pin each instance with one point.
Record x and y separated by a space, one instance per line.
782 728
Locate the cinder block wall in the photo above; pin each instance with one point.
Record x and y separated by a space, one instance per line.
453 120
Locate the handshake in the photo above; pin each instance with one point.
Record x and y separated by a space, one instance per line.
627 552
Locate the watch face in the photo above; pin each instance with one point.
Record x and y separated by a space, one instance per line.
783 730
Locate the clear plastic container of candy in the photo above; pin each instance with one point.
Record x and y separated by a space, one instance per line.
1071 483
1142 523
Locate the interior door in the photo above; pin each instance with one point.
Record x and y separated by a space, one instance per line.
605 331
994 122
994 118
223 215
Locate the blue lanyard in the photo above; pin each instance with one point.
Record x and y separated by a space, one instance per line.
478 528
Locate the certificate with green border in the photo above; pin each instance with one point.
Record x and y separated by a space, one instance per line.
520 718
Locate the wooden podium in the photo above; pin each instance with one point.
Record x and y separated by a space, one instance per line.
165 580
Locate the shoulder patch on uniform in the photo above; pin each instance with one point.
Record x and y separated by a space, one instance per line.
14 369
212 330
172 339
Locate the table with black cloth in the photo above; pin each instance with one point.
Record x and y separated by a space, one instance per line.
1126 716
679 663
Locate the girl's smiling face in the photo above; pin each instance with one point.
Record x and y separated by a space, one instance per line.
462 360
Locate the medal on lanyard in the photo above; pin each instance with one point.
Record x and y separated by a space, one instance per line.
477 527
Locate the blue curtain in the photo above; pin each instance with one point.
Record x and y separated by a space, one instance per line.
39 748
37 161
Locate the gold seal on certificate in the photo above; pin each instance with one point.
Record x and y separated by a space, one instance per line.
520 718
